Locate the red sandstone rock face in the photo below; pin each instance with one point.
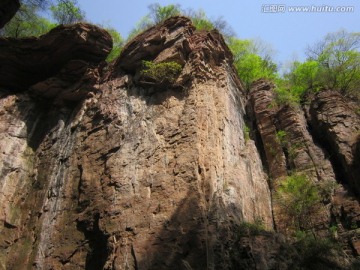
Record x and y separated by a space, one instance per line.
101 171
8 8
24 62
168 41
337 124
263 107
131 177
331 127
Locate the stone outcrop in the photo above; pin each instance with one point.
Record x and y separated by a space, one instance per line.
129 176
25 62
320 142
169 41
8 8
262 108
337 125
105 171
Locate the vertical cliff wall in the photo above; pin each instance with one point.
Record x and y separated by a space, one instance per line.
104 170
319 140
104 167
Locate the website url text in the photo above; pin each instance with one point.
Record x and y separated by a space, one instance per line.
278 8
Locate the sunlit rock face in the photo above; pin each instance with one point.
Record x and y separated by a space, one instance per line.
319 140
105 169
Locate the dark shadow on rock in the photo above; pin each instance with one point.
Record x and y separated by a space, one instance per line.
194 240
24 62
8 9
182 242
41 116
98 253
325 125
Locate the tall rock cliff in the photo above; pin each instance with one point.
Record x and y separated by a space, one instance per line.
103 170
106 168
319 140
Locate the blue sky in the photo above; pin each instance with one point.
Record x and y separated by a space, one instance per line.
288 32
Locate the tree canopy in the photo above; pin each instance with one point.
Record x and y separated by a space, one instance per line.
332 63
250 62
339 58
298 198
158 13
28 21
67 12
118 43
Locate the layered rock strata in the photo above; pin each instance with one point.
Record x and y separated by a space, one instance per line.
319 141
105 169
129 176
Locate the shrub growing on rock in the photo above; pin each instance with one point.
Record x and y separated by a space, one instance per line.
165 72
298 198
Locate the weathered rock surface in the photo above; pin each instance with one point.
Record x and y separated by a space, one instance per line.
304 147
8 8
103 171
337 125
169 41
24 62
263 110
131 177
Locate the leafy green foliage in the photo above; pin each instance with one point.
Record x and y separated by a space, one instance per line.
284 94
246 133
298 198
281 137
304 77
158 13
165 72
248 228
27 23
201 21
248 62
118 43
333 230
67 12
333 63
240 48
340 70
253 67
